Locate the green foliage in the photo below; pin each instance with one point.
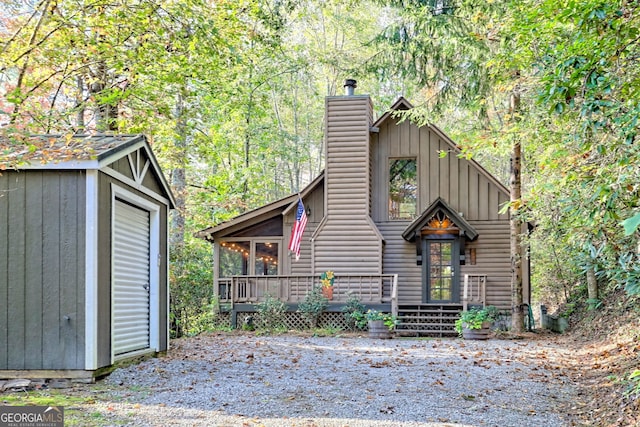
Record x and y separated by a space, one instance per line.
313 305
271 313
587 80
192 304
475 317
631 224
634 384
388 319
354 313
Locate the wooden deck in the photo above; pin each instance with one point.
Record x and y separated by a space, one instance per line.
292 289
240 293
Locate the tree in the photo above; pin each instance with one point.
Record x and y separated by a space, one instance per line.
453 49
584 57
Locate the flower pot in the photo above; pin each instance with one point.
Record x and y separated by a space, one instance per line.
477 334
377 329
327 291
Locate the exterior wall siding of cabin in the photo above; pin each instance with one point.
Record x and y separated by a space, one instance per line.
42 273
347 240
314 204
463 186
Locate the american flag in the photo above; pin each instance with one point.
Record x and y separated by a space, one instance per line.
298 229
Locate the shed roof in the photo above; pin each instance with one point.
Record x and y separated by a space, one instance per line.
75 152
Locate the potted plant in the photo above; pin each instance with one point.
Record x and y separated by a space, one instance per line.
380 324
326 281
476 322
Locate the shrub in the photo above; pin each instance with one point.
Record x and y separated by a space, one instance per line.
354 313
192 304
475 317
313 305
388 319
271 313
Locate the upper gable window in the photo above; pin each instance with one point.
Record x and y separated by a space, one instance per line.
403 188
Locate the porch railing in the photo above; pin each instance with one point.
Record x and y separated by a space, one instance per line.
474 291
372 289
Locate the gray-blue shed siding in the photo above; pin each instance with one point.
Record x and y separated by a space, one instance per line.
42 269
42 276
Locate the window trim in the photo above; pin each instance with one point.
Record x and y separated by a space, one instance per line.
252 252
388 186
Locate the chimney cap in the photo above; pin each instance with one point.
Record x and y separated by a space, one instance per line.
350 85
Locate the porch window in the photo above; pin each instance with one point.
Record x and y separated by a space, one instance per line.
403 188
234 258
266 263
248 258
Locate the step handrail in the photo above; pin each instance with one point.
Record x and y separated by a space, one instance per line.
475 290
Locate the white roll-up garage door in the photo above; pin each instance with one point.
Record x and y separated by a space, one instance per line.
131 279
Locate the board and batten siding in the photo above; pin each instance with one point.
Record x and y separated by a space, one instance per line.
42 273
465 187
461 183
347 240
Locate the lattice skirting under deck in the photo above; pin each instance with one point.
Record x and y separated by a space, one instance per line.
295 321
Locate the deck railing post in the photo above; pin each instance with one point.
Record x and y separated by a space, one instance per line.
465 294
394 295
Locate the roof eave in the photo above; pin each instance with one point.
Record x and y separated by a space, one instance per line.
207 233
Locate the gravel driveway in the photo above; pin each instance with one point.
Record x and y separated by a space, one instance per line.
285 380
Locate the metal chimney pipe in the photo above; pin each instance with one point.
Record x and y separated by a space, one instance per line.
350 86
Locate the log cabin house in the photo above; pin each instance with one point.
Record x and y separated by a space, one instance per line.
404 229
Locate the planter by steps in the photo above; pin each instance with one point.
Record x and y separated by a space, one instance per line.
377 329
477 334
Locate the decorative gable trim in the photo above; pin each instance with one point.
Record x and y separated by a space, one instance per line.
98 152
439 205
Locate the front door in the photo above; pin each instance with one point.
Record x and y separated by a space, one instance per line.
441 271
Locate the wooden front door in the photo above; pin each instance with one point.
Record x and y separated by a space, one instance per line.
440 272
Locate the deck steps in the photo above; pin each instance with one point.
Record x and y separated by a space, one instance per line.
435 320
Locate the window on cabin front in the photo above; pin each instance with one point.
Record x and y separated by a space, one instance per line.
403 188
234 258
238 258
266 262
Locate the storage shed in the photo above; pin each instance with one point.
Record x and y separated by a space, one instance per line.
83 254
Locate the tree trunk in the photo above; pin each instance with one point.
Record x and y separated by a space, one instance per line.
515 226
592 288
80 125
106 114
178 176
22 71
